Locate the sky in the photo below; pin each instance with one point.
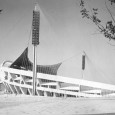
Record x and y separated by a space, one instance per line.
64 35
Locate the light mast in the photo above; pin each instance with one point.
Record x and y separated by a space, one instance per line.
83 68
35 42
83 63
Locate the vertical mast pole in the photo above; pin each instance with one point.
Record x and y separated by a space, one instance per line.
34 69
83 68
35 42
83 64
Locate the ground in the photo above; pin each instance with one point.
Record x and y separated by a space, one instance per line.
29 105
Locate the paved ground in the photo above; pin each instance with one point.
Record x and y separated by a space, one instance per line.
29 105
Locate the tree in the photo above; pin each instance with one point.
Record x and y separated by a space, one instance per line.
107 29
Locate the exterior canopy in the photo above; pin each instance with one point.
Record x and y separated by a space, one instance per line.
23 62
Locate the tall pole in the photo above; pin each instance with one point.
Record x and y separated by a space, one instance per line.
34 69
83 67
35 42
83 64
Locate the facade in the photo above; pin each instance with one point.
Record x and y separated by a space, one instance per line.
17 77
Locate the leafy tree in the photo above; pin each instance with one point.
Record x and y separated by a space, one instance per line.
107 29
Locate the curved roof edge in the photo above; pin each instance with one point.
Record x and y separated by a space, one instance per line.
6 62
23 62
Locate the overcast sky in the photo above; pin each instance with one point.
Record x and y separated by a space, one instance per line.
63 34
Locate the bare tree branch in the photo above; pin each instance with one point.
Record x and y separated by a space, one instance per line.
108 30
109 12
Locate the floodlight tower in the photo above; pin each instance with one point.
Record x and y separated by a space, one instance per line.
35 43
